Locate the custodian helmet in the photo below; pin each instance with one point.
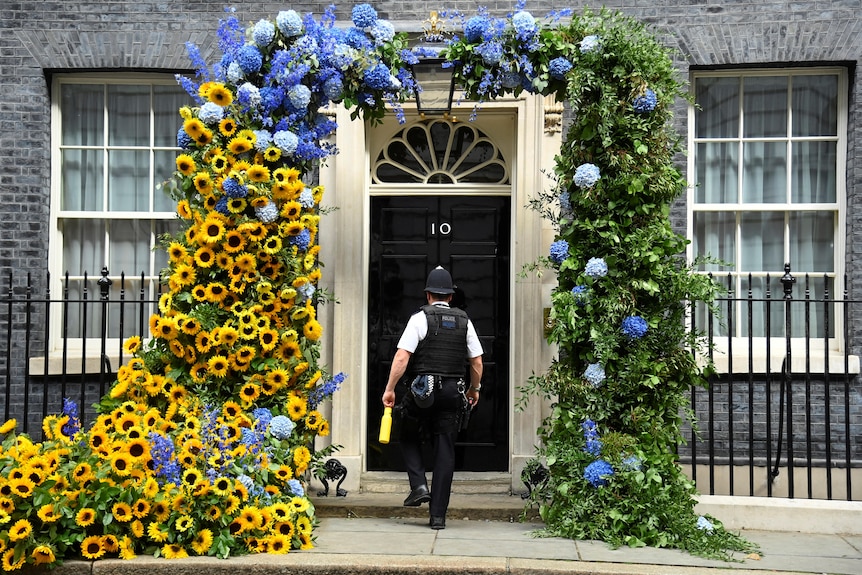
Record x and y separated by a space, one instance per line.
439 281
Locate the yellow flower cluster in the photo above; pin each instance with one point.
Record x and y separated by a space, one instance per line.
202 444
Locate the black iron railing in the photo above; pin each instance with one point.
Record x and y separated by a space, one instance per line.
782 416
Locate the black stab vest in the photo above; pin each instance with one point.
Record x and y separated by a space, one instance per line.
444 349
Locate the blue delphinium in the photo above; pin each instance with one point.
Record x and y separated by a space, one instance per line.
289 22
165 465
73 426
262 416
321 392
634 327
267 213
595 374
586 175
249 59
559 67
363 16
281 426
596 268
590 43
263 33
597 472
581 295
646 102
559 251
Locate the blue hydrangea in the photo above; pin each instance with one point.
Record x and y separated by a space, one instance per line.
301 240
491 52
246 481
705 524
510 79
559 251
593 447
307 46
266 213
249 59
296 487
596 268
645 103
356 39
565 202
263 416
590 43
475 27
634 327
281 427
559 67
632 463
595 374
221 206
299 96
597 472
524 25
211 113
262 140
306 198
233 189
363 16
184 141
382 31
248 95
305 291
586 175
333 87
234 73
263 33
286 141
581 295
377 78
289 22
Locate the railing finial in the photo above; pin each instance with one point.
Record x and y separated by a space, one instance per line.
788 280
104 283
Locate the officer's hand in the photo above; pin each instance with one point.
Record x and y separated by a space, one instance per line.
472 396
388 399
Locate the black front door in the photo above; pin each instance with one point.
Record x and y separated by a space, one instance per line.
469 236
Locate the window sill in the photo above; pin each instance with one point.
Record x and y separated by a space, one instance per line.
74 363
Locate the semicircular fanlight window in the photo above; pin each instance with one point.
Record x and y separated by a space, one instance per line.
440 152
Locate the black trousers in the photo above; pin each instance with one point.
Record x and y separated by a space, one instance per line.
439 424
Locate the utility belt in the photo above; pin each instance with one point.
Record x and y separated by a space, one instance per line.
430 395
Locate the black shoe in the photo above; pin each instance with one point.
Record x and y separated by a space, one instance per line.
418 496
438 522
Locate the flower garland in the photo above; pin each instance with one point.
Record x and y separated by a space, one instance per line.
204 443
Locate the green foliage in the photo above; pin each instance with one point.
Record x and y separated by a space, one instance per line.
618 318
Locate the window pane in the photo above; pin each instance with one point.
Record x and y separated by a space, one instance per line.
164 167
762 237
715 236
716 167
813 178
83 246
812 245
81 180
815 105
82 108
128 115
718 112
765 107
163 227
764 179
167 101
129 180
129 246
766 313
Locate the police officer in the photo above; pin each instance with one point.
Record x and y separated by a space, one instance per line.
438 341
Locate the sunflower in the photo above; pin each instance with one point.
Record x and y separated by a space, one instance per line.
285 528
83 472
216 292
184 523
191 326
205 256
47 513
303 525
92 547
127 548
258 174
301 456
313 419
110 542
227 335
305 541
219 94
9 563
218 365
272 154
122 512
227 127
202 542
184 210
249 392
194 127
184 275
236 205
186 164
323 428
131 346
19 530
42 555
212 230
291 211
239 145
121 463
22 487
205 137
213 512
141 508
222 486
250 517
161 510
177 252
312 330
219 163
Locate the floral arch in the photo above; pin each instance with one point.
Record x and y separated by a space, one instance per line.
203 444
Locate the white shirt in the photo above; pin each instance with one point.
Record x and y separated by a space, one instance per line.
417 329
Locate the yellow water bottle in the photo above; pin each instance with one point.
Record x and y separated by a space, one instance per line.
385 425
